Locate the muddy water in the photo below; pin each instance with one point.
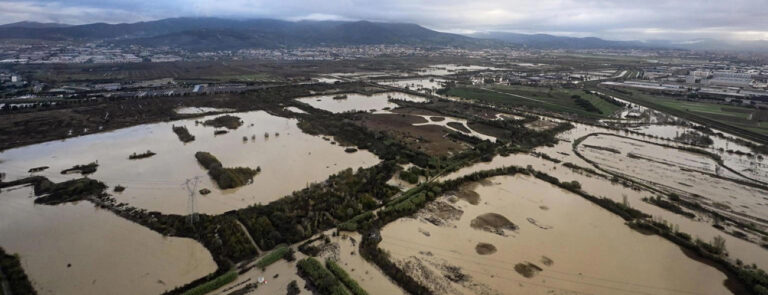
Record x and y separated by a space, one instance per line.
591 249
107 254
359 102
665 166
289 161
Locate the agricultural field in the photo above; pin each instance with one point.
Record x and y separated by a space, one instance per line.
544 98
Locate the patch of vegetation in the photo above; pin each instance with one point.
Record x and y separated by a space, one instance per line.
228 121
14 274
672 207
143 155
273 257
293 288
214 284
183 133
320 277
695 138
37 169
68 191
342 275
86 169
586 104
225 177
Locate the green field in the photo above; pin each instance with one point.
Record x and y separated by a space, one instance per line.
555 99
730 118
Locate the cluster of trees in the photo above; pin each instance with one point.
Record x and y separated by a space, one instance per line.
183 133
228 121
225 177
13 273
67 191
320 206
369 249
274 256
342 275
658 201
85 169
695 138
321 278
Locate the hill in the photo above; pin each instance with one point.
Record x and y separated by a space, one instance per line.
228 34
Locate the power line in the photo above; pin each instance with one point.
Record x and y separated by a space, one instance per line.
191 186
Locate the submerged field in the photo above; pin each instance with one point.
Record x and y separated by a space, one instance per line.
78 248
562 244
289 159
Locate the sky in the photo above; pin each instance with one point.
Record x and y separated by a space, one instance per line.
615 20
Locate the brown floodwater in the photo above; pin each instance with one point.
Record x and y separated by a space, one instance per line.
580 247
603 187
76 248
359 102
289 160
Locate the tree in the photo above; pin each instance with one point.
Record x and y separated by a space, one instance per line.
293 288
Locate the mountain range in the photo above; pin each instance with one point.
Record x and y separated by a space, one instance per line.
228 34
206 34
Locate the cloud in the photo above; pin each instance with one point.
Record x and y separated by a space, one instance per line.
614 19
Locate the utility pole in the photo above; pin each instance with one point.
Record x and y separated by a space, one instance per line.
191 186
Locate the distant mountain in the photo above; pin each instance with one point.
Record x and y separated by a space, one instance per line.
34 25
227 34
544 41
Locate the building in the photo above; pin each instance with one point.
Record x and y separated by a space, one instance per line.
731 79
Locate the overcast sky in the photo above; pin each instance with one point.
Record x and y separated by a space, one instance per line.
615 19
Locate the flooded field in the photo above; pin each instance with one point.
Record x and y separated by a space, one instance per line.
80 249
595 185
678 170
560 244
352 102
423 85
289 160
